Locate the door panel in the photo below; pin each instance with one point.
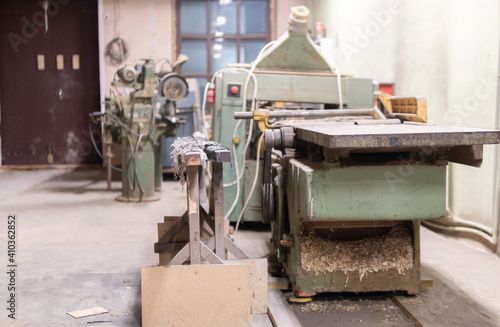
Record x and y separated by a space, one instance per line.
48 109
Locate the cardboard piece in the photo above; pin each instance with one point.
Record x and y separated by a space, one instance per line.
196 295
258 280
87 312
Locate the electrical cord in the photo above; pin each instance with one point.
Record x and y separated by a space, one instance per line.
204 106
97 149
136 175
117 51
131 119
339 85
245 149
166 61
250 127
129 133
252 189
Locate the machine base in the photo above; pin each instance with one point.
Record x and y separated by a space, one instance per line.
307 283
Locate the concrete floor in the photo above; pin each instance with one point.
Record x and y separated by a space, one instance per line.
78 248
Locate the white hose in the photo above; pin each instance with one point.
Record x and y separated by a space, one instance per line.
339 85
256 177
205 101
243 108
249 138
204 108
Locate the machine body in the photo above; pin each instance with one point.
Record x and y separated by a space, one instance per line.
140 111
346 172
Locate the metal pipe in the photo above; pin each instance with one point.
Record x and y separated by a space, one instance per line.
308 113
108 164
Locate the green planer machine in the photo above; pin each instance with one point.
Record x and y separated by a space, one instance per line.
345 172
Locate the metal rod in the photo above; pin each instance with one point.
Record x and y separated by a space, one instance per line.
308 113
193 214
108 164
218 196
378 121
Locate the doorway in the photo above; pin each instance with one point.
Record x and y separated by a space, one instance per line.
49 81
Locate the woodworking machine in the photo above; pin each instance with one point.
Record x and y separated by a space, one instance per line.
343 184
140 110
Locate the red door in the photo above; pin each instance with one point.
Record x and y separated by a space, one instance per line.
49 81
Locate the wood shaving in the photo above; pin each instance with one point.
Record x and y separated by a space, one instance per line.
393 250
324 307
198 142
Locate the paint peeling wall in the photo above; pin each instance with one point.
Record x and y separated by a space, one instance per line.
146 26
446 51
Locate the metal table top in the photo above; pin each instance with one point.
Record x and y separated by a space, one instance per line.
346 135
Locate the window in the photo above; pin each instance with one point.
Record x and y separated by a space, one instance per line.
213 33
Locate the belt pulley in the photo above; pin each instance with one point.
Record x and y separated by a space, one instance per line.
278 139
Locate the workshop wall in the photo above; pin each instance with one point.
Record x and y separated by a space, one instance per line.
148 28
446 51
145 26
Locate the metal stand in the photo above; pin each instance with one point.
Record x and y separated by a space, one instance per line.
214 249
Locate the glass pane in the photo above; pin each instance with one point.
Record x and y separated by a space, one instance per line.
197 53
193 17
222 54
223 17
253 17
249 50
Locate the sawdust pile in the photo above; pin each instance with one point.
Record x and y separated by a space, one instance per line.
393 250
324 307
198 142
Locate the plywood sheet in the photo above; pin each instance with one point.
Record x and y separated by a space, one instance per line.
258 281
196 295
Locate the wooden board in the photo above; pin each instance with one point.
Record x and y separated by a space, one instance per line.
166 256
258 281
196 295
344 135
183 235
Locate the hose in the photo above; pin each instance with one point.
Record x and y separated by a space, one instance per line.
96 148
252 189
117 51
250 127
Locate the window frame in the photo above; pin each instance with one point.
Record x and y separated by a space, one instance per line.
209 38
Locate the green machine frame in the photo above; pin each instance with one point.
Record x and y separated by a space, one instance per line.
351 176
357 93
